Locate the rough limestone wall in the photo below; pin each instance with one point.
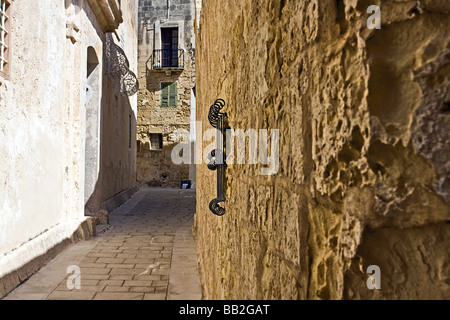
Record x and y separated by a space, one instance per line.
364 130
155 167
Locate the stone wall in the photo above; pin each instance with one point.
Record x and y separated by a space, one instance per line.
363 177
155 167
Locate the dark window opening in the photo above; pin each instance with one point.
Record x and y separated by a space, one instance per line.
169 45
156 141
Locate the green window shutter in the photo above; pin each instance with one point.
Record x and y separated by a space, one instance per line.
173 95
165 94
169 94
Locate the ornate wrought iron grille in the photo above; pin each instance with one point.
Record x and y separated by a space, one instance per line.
4 6
117 65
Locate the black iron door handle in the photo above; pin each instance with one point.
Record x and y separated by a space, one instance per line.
217 157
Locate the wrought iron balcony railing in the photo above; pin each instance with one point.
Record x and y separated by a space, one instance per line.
167 59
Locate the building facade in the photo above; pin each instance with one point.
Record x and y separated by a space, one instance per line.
361 196
166 100
68 108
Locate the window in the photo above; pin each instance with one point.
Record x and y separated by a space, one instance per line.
156 141
169 44
168 53
168 94
4 36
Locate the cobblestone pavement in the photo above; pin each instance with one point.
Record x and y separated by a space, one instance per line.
146 253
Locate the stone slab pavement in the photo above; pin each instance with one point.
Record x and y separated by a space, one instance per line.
147 252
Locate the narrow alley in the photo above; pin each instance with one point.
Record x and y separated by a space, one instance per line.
146 252
221 151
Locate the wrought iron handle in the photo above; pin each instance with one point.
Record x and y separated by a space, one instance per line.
219 121
214 112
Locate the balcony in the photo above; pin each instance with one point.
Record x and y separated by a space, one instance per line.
166 60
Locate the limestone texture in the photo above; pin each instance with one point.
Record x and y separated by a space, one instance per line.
364 167
155 167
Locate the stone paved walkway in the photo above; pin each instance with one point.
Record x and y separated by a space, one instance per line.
147 252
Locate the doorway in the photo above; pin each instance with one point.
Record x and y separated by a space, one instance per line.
169 43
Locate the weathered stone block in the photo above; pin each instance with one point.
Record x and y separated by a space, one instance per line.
363 121
102 216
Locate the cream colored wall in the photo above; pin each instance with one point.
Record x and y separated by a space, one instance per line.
43 126
32 169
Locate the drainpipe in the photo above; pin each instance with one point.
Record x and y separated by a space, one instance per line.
168 9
